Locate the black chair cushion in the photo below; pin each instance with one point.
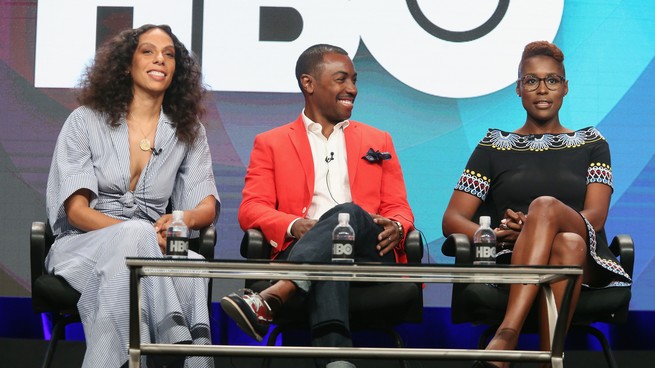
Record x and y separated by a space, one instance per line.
482 303
53 293
479 303
602 305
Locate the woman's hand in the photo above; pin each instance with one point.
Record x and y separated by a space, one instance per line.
510 227
161 225
200 216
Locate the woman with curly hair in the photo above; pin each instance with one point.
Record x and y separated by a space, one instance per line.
135 146
547 189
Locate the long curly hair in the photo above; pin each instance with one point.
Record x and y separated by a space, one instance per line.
107 86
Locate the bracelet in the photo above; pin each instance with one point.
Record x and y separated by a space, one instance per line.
401 232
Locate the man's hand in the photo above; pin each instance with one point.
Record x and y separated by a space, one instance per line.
301 226
389 238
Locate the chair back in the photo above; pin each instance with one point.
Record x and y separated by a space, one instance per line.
41 240
50 293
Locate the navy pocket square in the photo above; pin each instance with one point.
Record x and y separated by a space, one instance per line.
376 156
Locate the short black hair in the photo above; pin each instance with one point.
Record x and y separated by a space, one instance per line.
311 59
542 48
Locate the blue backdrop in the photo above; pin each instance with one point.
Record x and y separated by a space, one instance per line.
609 48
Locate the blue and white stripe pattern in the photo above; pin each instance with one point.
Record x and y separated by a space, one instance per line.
91 154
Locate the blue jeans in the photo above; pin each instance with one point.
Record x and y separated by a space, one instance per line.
329 300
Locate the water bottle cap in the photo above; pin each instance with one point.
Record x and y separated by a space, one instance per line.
178 215
485 221
344 217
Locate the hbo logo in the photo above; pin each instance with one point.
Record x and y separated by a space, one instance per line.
342 249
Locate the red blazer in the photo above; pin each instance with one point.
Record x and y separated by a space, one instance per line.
279 182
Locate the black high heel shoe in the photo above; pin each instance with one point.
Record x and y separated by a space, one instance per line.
483 364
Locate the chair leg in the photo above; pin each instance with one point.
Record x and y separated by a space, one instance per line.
396 337
607 350
209 296
57 332
398 341
272 337
399 344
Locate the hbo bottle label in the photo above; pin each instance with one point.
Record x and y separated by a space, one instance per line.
342 251
485 253
177 247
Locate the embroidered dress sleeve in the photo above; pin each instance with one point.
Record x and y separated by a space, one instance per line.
72 167
476 178
195 177
600 165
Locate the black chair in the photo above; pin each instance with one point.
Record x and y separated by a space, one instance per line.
482 304
395 303
53 295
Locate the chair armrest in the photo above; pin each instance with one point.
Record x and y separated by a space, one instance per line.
253 246
414 246
37 249
624 247
458 246
207 241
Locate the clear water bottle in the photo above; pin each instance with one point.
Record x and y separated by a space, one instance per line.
484 242
177 237
343 241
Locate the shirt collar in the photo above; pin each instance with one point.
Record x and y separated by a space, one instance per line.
311 125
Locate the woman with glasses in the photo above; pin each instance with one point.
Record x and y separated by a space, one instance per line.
547 189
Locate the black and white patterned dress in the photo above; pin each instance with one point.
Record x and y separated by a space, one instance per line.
93 155
509 170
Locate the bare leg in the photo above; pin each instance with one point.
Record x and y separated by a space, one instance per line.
547 219
568 249
566 252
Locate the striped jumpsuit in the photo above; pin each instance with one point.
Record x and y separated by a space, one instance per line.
92 154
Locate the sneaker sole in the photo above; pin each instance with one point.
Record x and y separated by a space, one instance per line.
232 309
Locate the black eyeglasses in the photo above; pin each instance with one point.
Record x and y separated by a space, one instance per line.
553 82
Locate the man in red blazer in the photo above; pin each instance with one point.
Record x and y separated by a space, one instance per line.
301 176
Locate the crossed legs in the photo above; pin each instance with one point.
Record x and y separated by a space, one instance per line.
553 234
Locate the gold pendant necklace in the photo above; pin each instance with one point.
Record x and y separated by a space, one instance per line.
145 144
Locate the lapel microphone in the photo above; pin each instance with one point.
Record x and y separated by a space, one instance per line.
327 159
155 152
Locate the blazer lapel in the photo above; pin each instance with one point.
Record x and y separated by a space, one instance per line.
353 137
299 140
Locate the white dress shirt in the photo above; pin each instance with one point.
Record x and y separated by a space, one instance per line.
331 183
